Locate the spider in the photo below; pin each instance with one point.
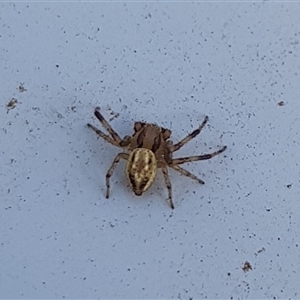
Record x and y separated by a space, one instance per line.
147 150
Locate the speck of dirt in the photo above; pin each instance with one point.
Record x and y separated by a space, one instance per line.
247 266
21 88
12 103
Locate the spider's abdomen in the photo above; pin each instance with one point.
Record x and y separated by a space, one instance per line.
141 170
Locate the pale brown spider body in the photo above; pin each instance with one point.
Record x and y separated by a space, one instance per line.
149 149
147 146
141 170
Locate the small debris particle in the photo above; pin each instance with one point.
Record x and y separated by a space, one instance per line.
247 266
114 115
281 103
260 251
59 115
11 104
289 186
21 88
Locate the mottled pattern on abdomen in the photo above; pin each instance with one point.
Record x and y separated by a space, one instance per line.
141 169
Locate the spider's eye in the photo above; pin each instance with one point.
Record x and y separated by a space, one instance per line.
166 133
138 126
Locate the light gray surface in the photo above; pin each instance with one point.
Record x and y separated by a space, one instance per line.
166 63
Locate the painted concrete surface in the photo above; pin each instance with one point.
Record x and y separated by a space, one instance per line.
168 63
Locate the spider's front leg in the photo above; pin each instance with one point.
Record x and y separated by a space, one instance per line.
190 136
111 170
114 139
105 124
103 135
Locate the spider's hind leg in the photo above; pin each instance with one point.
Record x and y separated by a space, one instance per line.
111 170
169 186
186 173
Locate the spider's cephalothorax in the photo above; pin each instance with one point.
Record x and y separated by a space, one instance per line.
147 150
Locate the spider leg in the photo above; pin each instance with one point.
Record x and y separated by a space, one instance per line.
111 170
169 186
186 173
105 124
104 136
182 160
126 141
189 136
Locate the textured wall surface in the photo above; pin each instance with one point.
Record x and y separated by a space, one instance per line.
172 64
